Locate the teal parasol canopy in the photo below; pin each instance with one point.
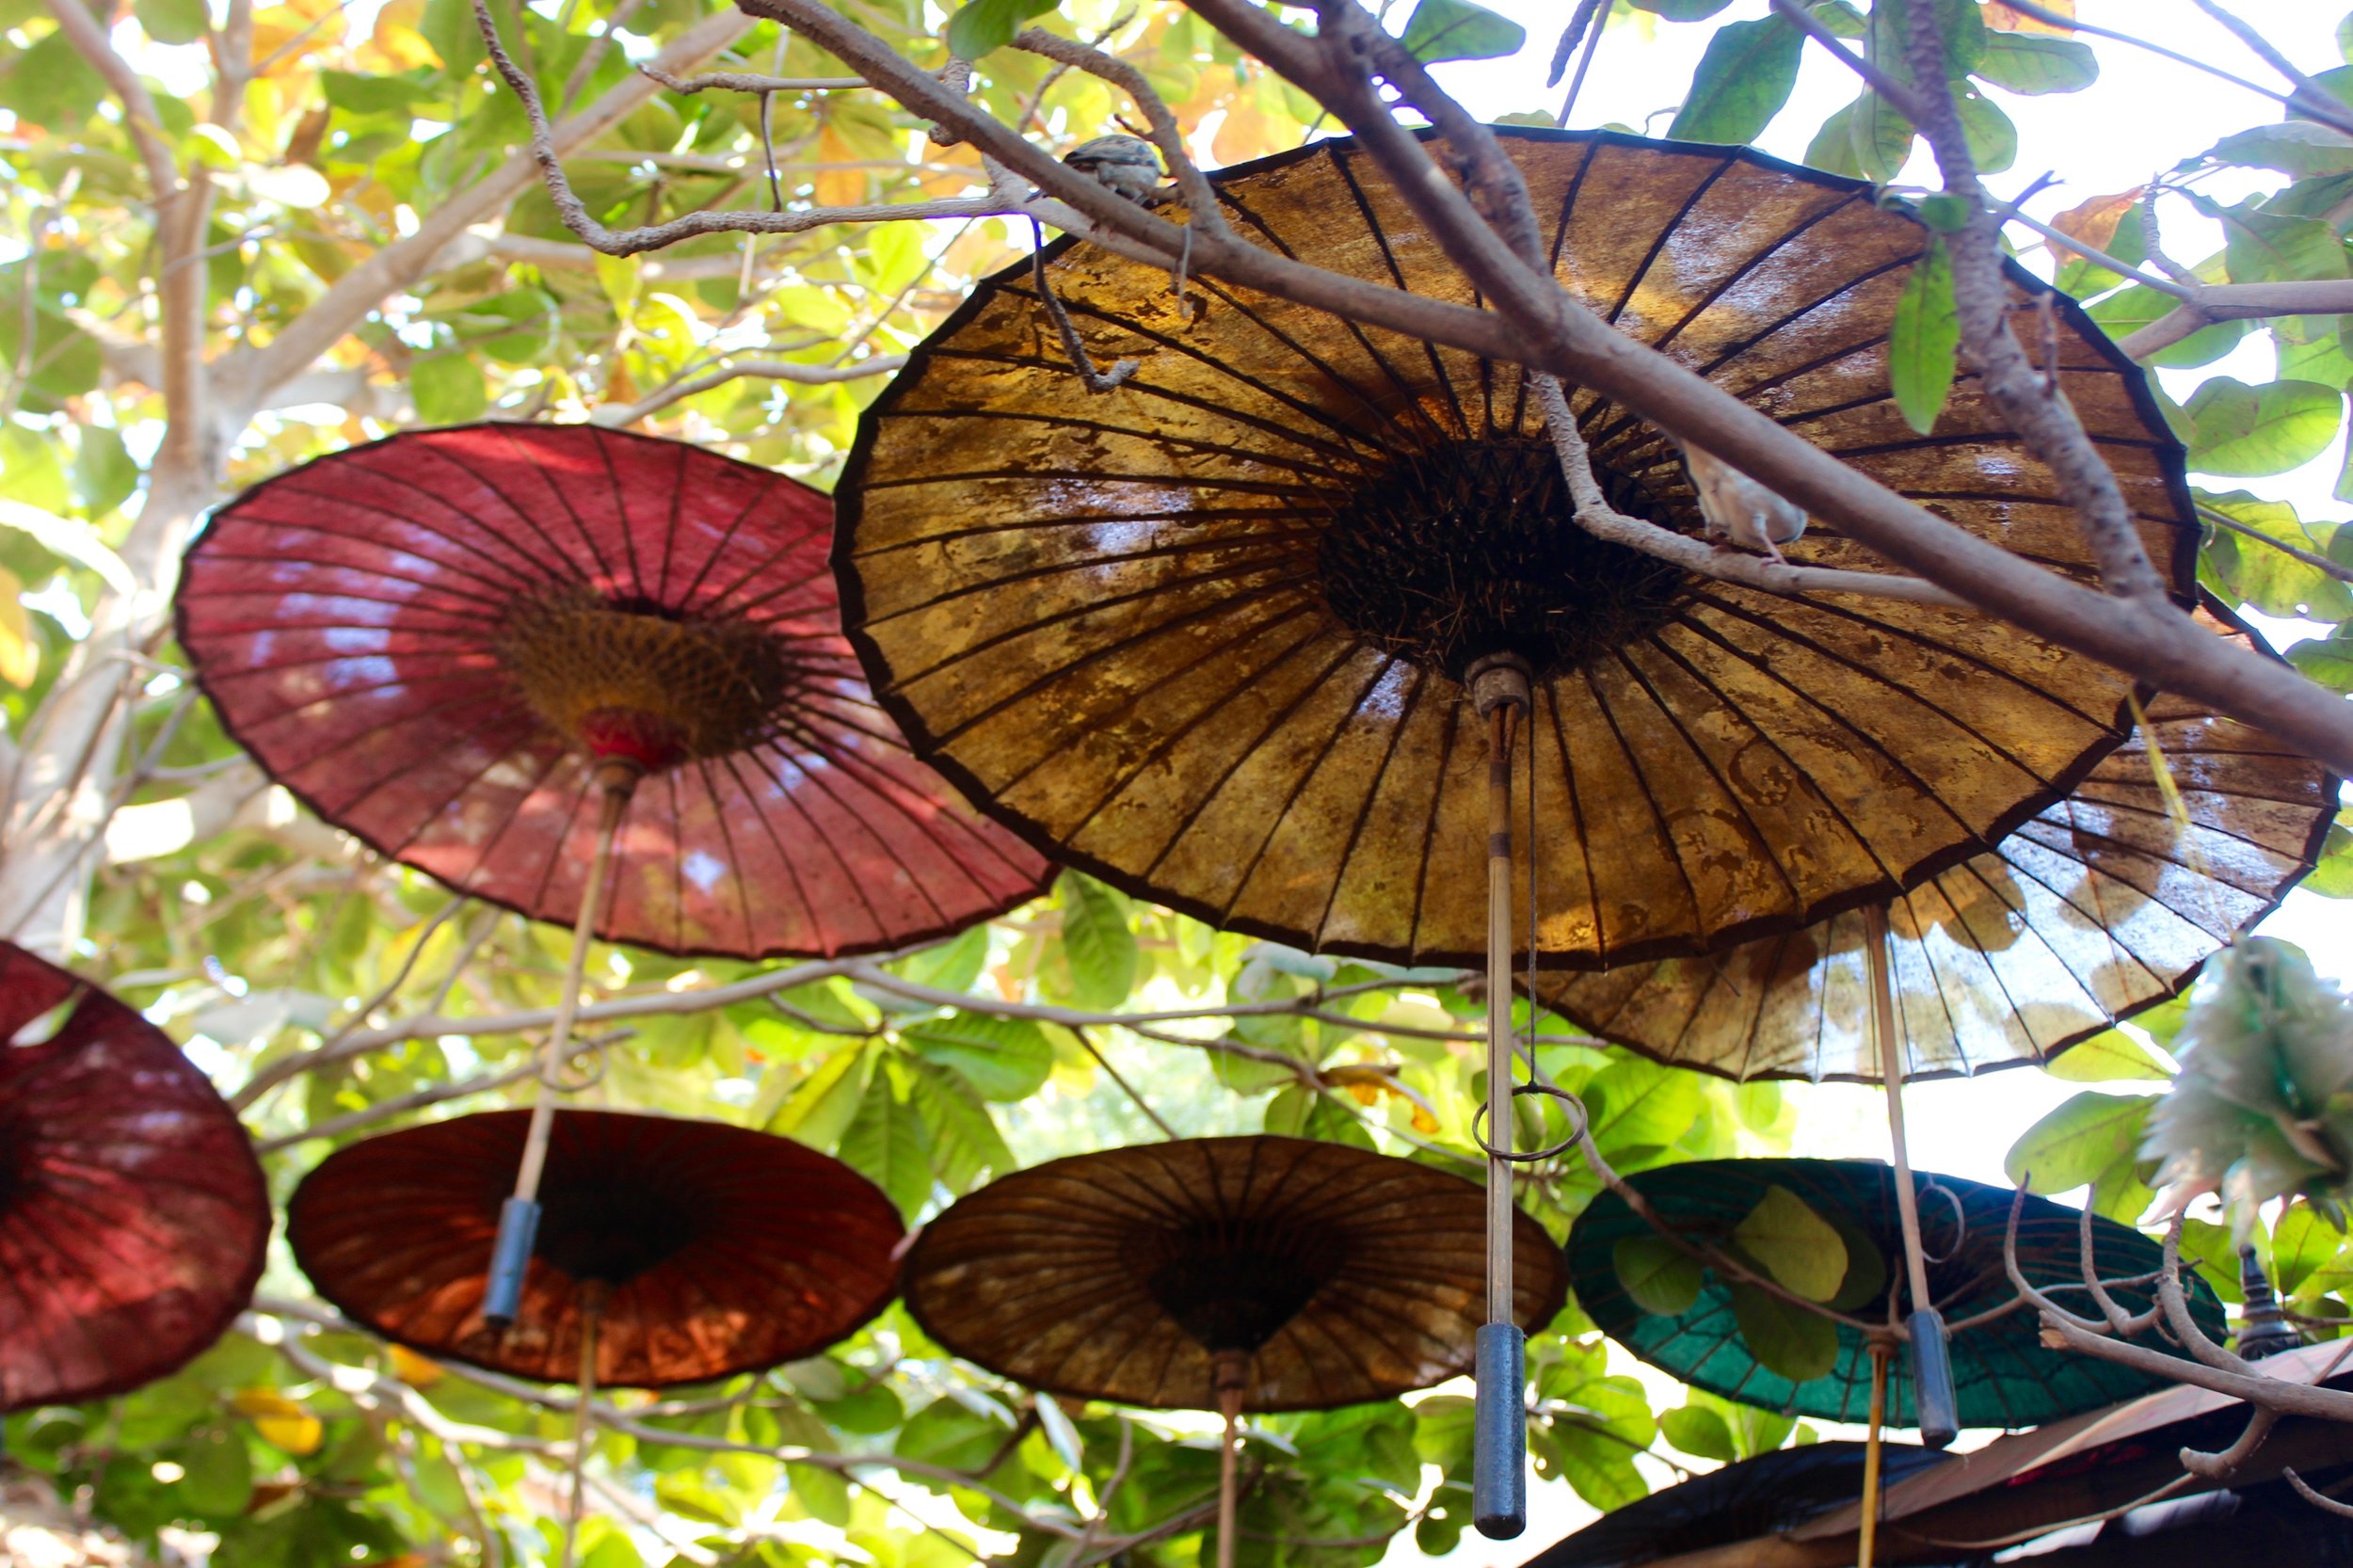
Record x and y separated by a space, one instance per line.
2003 1374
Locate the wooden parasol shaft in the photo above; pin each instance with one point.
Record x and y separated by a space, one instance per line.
1891 1057
1501 689
583 1415
518 1218
1231 1374
1881 1353
1499 1114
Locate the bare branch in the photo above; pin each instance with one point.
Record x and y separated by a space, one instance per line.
396 265
770 370
2077 24
2039 413
1166 135
2303 1490
1899 94
2310 98
2225 1463
2319 563
2214 302
1596 515
737 81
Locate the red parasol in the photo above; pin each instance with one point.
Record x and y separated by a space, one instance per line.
670 1251
715 1249
439 640
133 1214
531 659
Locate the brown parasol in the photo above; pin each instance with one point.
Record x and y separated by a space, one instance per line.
1260 1273
597 678
132 1213
670 1251
2103 904
1238 634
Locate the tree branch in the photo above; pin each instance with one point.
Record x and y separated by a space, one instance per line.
771 370
1595 514
2213 303
2032 406
400 264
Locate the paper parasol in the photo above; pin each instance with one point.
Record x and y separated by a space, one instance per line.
437 640
1238 634
132 1213
714 1248
2102 905
2002 1374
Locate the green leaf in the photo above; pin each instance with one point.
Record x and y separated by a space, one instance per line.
985 25
1866 140
1742 81
964 1142
360 94
2111 1058
1458 30
884 1142
2245 430
1005 1059
2334 879
1866 1279
1924 343
2296 146
1638 1104
820 1105
1682 10
104 473
1785 1339
2328 660
2274 581
1796 1245
1699 1432
2345 38
31 473
1097 940
1597 1467
2300 1243
171 21
2272 247
447 389
1660 1277
2076 1144
2035 63
1992 136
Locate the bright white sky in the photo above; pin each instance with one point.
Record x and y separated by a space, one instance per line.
2145 115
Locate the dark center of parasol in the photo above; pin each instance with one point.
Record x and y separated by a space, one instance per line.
1471 547
1234 1286
634 681
611 1225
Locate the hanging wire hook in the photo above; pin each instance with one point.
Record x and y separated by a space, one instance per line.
1961 1221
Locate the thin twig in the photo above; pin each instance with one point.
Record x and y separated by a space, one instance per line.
2317 562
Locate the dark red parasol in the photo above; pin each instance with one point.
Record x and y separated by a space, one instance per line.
700 1249
133 1214
444 643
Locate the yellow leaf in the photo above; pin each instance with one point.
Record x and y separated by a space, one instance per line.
397 45
20 649
1424 1123
1367 1093
2095 222
281 1421
1999 15
838 188
417 1371
298 27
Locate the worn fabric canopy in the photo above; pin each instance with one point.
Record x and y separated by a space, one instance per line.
2103 905
1344 1275
715 1249
2002 1373
1203 635
132 1213
1756 1496
435 640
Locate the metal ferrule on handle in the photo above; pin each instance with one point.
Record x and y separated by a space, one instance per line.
510 1257
1934 1405
1499 1460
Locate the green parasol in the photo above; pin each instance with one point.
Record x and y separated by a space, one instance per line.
2003 1376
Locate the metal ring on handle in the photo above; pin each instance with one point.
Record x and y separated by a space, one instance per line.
1961 1221
1552 1091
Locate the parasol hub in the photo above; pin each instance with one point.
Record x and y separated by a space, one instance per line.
1470 549
640 685
1500 681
